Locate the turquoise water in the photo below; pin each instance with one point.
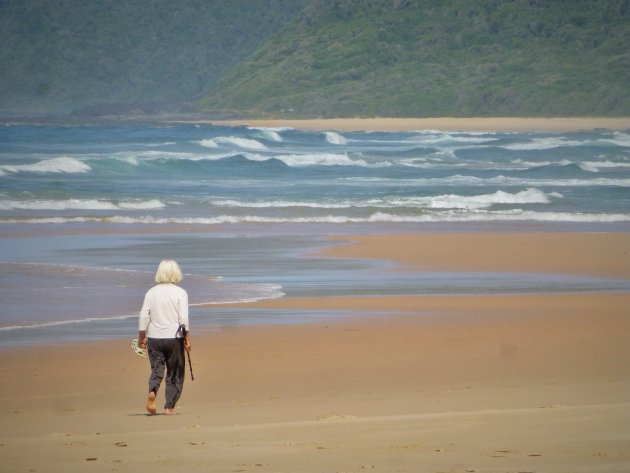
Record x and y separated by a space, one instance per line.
261 202
217 175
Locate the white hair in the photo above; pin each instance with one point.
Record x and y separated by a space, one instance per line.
168 271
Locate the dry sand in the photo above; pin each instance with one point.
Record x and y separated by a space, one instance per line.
527 383
477 124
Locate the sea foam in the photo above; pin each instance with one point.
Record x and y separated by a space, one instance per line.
272 134
80 204
320 159
595 166
437 137
619 138
246 143
54 165
541 144
335 138
441 216
528 196
448 201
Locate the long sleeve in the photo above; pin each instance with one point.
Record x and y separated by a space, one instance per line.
145 314
183 310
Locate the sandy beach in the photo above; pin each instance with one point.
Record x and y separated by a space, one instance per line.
474 124
534 382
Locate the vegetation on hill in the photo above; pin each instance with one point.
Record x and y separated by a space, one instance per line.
110 55
306 58
438 58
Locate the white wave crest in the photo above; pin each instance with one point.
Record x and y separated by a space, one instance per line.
142 204
619 139
303 160
135 157
271 128
267 204
335 138
165 143
209 143
540 144
54 165
521 164
245 143
512 165
300 160
80 204
595 166
458 179
435 137
272 134
528 196
456 215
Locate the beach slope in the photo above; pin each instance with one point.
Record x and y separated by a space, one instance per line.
476 383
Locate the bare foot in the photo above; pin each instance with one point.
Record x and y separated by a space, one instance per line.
151 409
169 412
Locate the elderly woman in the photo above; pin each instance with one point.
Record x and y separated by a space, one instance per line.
164 312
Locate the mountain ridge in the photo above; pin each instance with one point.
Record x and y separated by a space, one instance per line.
134 56
315 58
449 58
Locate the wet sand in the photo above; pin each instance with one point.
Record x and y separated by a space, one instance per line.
506 383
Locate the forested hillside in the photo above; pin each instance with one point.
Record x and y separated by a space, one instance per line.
111 56
306 58
432 58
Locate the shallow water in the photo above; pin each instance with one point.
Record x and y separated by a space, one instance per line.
82 287
261 202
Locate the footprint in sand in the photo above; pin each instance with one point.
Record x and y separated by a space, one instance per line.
76 443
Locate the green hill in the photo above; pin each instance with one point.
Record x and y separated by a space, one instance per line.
115 56
438 58
306 58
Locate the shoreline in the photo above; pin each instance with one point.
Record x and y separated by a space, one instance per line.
473 124
533 382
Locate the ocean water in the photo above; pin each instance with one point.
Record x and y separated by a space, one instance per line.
260 202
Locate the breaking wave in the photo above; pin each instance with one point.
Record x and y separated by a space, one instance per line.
449 201
246 143
272 134
335 138
540 144
54 165
79 204
595 166
455 215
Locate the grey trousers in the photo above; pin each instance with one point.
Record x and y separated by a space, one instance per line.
167 353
